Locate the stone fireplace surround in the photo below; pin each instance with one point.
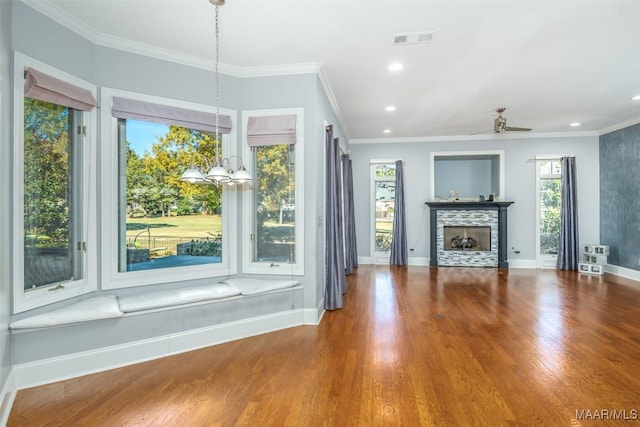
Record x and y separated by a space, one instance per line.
492 214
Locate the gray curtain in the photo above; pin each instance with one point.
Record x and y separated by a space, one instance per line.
568 245
335 280
399 250
351 255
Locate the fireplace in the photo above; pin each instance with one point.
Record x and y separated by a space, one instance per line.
463 238
469 234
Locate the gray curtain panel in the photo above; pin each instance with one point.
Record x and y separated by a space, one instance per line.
351 255
568 244
399 250
335 280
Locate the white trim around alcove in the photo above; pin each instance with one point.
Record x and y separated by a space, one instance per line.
434 154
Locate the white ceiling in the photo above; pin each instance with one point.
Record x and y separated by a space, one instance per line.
549 62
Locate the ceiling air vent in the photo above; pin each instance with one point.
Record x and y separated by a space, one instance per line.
414 38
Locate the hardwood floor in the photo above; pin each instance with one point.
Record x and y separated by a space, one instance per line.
416 346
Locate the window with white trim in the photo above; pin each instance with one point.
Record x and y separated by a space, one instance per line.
55 244
159 229
274 226
548 200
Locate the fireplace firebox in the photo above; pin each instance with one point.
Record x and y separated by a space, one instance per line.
463 238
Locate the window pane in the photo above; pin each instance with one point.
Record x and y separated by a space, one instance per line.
52 206
549 215
385 207
164 222
386 170
275 203
545 167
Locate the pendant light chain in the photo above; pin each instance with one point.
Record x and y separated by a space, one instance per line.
221 171
217 160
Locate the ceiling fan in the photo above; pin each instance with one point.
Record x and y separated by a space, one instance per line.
500 123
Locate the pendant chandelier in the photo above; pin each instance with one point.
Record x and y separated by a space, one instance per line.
220 170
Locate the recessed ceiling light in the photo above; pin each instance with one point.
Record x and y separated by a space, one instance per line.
636 98
387 131
575 124
396 66
390 108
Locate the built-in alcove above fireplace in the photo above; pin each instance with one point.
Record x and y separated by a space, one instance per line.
470 234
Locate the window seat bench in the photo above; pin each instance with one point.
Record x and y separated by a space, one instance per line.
111 307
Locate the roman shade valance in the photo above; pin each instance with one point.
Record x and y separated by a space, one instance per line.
124 108
40 86
271 130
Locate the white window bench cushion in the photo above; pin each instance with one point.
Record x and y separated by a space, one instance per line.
159 299
251 286
102 307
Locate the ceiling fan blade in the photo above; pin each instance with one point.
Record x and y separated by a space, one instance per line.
509 128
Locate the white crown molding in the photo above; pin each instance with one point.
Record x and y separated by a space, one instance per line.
278 70
50 10
625 124
324 81
490 137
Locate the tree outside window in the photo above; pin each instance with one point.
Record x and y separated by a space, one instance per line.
275 203
169 223
48 195
550 200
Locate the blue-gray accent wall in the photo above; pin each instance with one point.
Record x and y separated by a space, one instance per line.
620 196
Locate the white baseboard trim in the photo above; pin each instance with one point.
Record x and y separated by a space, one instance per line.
313 316
424 262
7 398
418 261
75 365
522 263
421 261
364 260
627 273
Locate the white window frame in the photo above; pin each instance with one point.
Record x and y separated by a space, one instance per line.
543 261
48 294
281 268
377 258
112 278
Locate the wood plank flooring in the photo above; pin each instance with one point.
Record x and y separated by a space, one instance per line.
413 346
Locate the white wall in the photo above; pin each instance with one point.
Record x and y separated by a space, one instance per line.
469 178
519 186
5 189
